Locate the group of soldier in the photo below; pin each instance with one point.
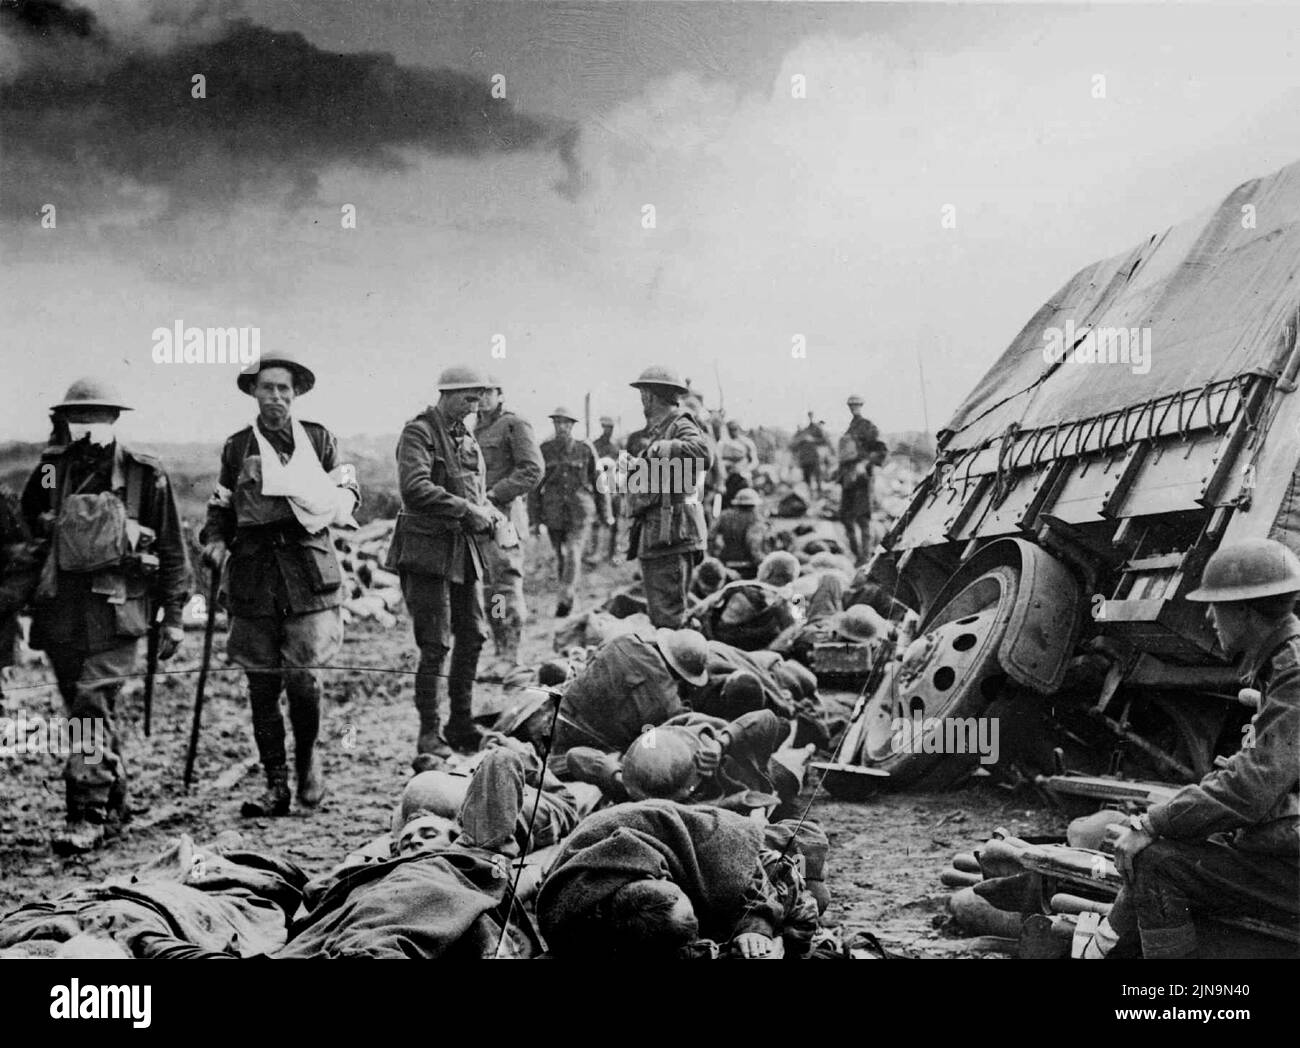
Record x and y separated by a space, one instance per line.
97 550
859 454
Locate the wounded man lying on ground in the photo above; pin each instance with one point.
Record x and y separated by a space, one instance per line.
444 890
742 766
657 880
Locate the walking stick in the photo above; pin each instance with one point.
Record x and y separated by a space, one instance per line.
151 669
213 585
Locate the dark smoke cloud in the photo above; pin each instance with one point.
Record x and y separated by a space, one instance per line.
92 126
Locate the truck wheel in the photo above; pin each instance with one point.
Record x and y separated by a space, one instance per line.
920 724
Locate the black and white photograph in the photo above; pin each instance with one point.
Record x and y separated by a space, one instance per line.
645 481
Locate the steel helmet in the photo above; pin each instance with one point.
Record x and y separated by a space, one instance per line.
742 692
855 400
686 651
1246 570
92 393
436 792
859 623
303 378
711 571
461 377
746 497
659 763
564 413
534 701
659 375
605 420
778 569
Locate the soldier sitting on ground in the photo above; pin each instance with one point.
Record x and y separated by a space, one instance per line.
751 615
1228 844
739 537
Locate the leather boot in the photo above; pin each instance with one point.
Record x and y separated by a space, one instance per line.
431 748
274 801
304 715
311 783
462 733
78 837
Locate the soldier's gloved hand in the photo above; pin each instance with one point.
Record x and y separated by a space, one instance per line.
214 553
169 642
609 520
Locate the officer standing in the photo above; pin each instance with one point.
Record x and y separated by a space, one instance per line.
437 550
115 555
668 532
570 496
514 468
280 488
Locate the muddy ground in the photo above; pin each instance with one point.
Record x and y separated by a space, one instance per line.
886 853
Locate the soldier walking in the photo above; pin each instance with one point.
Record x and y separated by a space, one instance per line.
280 488
607 448
570 496
860 451
514 468
437 551
808 445
115 555
668 532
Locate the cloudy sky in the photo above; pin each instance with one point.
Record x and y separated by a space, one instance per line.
775 216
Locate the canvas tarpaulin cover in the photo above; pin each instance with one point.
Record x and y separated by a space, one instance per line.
1219 300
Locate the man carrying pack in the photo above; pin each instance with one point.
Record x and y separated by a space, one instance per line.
668 530
280 488
116 554
437 551
514 468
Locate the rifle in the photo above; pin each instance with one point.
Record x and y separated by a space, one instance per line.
214 585
1104 788
151 668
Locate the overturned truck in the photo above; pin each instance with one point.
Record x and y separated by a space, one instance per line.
1144 416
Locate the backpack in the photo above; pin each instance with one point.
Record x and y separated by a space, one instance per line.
94 532
91 533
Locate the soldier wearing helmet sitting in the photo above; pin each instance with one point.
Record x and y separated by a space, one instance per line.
739 537
1230 843
630 682
751 615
